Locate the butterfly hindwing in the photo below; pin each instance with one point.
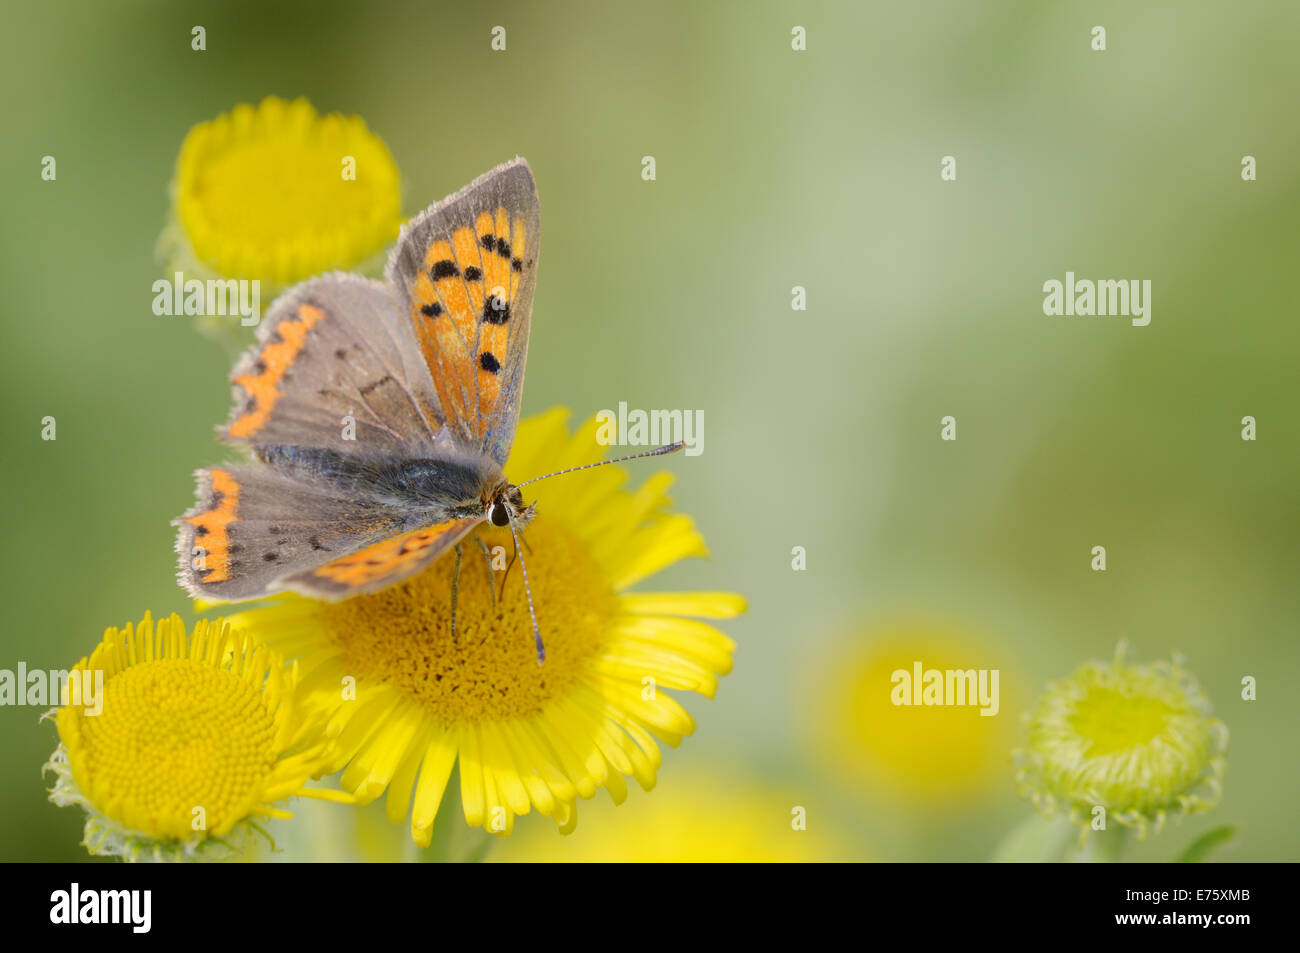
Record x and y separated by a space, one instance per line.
384 563
464 272
253 527
335 366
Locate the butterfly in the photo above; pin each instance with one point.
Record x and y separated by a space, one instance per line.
378 414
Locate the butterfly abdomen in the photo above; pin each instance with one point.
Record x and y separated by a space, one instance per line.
454 486
319 465
461 486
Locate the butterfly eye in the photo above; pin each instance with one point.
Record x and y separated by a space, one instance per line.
498 514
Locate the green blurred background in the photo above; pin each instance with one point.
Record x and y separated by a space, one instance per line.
775 169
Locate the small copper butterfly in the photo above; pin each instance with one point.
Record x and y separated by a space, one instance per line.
379 414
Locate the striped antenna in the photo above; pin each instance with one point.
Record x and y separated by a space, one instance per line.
656 452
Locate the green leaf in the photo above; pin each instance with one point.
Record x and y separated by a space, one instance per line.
1206 844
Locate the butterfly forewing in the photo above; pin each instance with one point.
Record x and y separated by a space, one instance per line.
331 369
465 271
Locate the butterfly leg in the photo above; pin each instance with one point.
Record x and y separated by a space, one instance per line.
505 576
455 591
487 555
528 591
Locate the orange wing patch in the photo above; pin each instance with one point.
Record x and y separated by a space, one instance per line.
262 384
460 306
392 558
212 527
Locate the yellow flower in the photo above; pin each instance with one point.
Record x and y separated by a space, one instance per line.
407 701
924 757
268 193
1137 740
176 747
721 816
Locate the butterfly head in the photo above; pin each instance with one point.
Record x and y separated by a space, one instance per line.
507 503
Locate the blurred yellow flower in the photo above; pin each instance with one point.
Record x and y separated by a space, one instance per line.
1138 740
407 700
279 193
189 744
927 757
718 816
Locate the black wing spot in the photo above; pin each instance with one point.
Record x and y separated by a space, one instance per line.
316 544
341 354
431 310
444 269
503 248
496 310
473 274
487 241
487 360
270 557
259 366
365 391
516 264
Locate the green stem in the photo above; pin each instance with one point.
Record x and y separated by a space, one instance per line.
1105 847
453 840
1037 839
